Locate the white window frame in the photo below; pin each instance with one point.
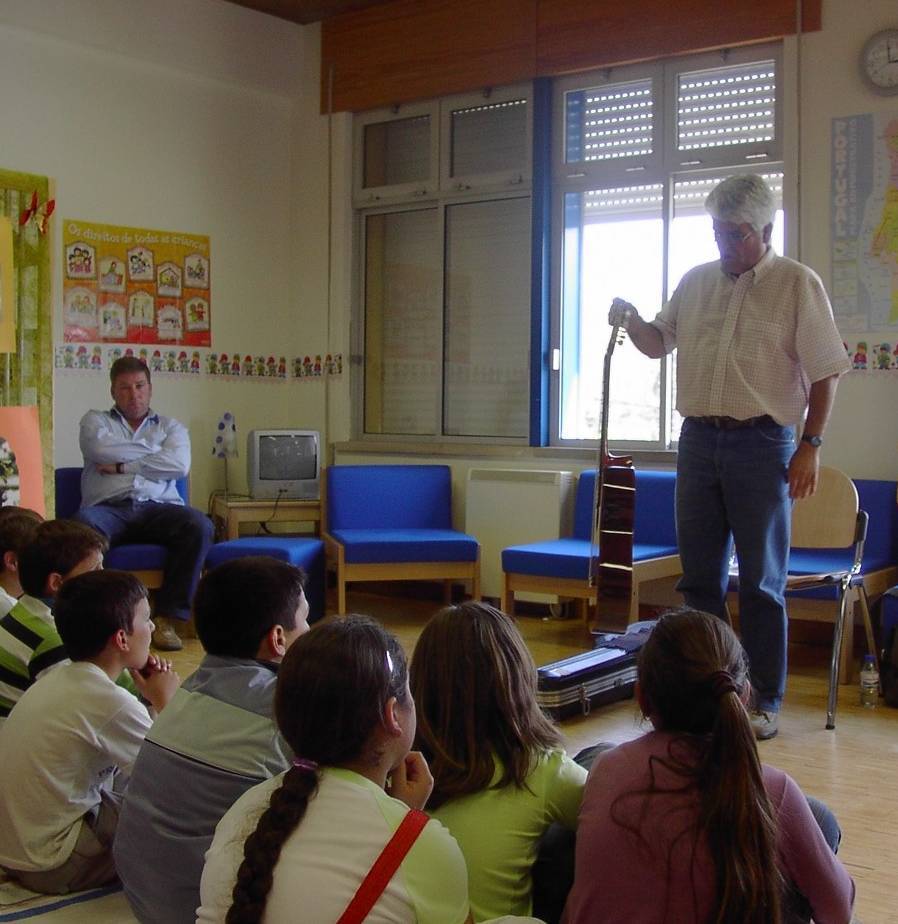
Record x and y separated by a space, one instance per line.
663 166
440 193
500 180
375 196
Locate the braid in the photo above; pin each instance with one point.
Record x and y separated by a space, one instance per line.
263 847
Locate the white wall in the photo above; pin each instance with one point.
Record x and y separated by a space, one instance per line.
194 116
862 437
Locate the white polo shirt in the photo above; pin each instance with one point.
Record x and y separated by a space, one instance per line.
59 749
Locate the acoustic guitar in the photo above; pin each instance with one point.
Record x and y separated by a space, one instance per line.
611 561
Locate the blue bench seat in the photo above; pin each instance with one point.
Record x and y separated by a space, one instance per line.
394 522
561 566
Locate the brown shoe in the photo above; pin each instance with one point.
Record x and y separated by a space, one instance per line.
164 636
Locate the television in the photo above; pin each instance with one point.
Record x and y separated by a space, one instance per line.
283 464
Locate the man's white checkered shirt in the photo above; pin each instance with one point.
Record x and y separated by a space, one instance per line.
751 345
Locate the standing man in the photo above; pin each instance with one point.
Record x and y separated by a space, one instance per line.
133 458
758 347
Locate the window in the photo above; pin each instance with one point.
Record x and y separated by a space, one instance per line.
640 148
443 198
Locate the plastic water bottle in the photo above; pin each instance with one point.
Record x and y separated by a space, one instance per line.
869 683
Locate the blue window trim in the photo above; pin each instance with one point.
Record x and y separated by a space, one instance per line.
540 263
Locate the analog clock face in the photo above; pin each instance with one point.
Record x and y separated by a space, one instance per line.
879 61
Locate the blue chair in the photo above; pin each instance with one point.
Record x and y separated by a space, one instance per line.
307 554
561 566
144 560
394 522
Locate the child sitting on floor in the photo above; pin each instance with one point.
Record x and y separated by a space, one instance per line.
501 776
684 823
17 527
216 739
73 731
344 706
29 642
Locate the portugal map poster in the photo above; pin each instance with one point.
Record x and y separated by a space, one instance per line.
865 222
132 285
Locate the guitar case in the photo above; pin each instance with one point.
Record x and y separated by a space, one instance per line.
574 685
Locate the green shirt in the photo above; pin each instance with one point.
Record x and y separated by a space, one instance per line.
498 831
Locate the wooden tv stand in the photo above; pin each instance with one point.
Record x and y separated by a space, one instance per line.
234 509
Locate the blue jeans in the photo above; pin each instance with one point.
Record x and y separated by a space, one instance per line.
185 532
733 484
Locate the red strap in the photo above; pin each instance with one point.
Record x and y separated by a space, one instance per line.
384 867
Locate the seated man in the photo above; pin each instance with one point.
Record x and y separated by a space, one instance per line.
72 731
132 459
216 739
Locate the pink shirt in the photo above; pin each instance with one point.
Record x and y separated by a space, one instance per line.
620 877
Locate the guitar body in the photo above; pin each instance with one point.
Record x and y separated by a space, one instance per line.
614 564
611 568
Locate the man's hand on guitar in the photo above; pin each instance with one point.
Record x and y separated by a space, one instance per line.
622 313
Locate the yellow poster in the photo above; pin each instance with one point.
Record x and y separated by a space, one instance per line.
7 292
132 285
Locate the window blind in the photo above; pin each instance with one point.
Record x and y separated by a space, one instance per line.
727 105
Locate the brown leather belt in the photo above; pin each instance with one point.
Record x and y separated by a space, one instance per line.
731 423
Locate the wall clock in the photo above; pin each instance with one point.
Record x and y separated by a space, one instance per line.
879 62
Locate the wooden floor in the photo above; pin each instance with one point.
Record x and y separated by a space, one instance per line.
854 769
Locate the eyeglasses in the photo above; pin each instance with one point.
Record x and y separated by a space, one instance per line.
734 237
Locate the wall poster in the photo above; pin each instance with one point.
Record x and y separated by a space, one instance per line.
132 285
865 223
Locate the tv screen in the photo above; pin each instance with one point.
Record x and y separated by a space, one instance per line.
287 457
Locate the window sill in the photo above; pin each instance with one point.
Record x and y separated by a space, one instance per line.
564 454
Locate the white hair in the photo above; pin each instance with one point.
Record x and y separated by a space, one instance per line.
743 199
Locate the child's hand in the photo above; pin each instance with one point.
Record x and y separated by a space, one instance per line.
155 665
411 781
157 688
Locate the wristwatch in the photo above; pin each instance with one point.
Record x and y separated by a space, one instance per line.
118 465
815 441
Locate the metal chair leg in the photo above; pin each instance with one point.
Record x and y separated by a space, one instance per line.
834 662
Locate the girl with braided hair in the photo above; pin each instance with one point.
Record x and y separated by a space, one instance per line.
297 847
685 824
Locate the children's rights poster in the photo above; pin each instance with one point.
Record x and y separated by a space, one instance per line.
133 285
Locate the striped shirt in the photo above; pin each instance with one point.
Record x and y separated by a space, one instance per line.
29 646
751 345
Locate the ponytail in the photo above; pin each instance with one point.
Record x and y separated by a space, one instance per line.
738 821
263 847
693 674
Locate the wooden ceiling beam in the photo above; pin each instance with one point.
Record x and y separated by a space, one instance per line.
305 11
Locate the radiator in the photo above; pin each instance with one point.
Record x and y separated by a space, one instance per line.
512 507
